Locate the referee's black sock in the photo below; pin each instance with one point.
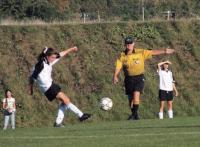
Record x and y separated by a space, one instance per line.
135 110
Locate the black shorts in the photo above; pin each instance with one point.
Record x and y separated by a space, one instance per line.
165 95
52 92
134 83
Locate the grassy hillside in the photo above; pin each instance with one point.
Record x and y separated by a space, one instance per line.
87 75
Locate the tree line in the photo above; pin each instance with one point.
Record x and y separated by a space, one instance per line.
48 10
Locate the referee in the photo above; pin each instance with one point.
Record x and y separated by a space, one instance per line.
132 60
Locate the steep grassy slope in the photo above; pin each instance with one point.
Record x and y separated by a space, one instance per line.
87 75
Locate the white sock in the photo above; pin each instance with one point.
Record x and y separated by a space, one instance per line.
61 114
74 109
170 114
160 115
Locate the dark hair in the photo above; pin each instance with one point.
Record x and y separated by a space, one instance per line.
6 91
162 67
47 52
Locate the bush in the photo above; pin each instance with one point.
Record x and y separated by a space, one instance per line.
21 9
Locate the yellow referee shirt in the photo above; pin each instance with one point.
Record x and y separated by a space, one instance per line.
133 64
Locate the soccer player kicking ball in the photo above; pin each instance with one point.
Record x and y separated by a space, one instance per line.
42 74
166 87
132 60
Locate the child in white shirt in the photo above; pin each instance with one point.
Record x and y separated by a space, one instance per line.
166 88
9 107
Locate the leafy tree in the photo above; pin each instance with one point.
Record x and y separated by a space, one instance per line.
13 8
41 9
122 9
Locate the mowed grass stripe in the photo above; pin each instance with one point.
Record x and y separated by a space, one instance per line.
102 136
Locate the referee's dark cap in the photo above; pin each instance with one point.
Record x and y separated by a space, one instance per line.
128 40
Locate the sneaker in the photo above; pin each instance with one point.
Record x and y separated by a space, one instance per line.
85 117
58 125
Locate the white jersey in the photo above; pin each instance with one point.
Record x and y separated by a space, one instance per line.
42 74
10 103
165 80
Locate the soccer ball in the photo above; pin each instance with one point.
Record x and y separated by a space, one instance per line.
106 103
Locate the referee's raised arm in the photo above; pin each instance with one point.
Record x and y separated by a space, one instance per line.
163 51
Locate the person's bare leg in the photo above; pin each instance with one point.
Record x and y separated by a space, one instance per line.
61 111
136 97
162 104
66 100
170 110
66 104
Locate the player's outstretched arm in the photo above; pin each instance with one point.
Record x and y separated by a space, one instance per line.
68 51
163 51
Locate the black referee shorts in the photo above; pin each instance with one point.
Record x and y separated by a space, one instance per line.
134 83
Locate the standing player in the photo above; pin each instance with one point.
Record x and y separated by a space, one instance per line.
9 107
132 60
42 74
166 87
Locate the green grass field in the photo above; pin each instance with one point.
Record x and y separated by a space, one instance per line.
179 132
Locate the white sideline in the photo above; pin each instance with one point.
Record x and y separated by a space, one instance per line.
100 136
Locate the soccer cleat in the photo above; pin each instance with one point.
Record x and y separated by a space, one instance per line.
58 125
85 117
136 117
130 117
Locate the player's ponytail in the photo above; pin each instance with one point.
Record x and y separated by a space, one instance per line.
47 52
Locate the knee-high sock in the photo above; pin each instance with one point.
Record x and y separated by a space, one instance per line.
135 109
170 114
74 109
160 115
61 114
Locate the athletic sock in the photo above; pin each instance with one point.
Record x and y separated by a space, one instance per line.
61 114
160 115
170 114
74 109
135 109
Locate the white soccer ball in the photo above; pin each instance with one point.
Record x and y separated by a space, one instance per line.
106 103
